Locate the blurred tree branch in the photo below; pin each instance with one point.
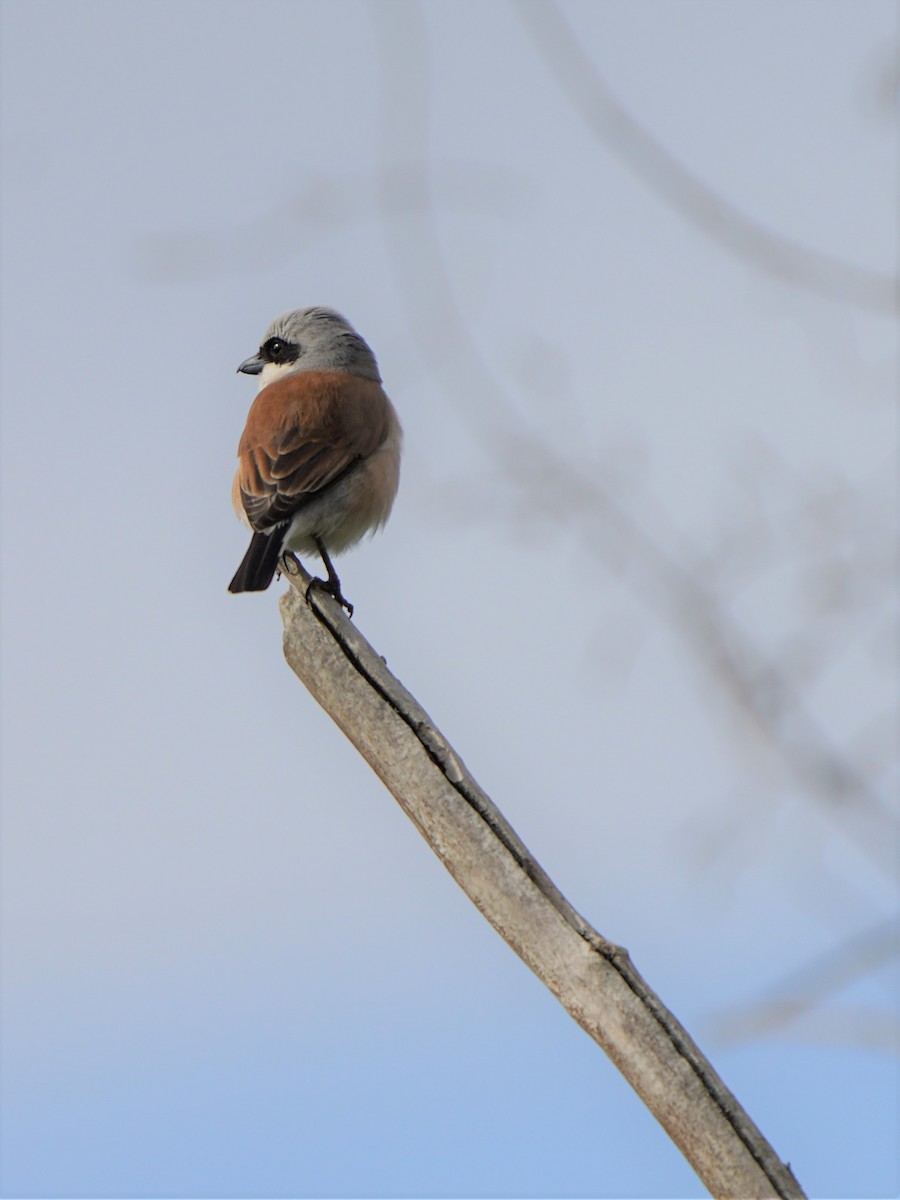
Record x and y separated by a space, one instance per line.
754 682
593 978
651 162
767 683
808 988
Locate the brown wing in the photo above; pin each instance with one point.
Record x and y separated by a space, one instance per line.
303 433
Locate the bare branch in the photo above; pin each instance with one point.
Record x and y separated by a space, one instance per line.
593 979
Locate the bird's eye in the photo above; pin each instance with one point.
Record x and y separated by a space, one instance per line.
277 350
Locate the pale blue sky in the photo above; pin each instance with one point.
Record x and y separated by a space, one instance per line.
230 966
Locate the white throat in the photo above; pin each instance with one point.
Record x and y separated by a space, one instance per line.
272 371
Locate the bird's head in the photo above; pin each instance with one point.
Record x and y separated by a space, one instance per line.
310 339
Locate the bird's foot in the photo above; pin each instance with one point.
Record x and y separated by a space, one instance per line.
332 584
333 587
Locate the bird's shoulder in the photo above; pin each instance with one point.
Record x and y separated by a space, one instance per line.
319 405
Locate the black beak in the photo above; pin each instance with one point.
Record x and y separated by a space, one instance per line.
251 366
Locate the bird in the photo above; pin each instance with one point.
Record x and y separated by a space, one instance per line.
319 458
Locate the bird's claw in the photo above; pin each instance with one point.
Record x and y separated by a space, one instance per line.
333 588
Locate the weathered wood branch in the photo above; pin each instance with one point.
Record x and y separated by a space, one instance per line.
592 978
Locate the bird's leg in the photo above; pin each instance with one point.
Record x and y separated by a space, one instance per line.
332 584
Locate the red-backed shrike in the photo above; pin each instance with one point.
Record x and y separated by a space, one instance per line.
319 460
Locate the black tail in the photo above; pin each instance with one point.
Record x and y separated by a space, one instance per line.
259 563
